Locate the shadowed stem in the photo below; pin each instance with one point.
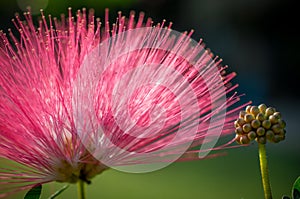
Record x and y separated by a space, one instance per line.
81 189
264 170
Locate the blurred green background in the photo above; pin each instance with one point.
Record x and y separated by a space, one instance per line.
234 176
258 40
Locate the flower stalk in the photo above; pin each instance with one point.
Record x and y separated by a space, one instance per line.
81 189
264 170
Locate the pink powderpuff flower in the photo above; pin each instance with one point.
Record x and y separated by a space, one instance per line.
76 99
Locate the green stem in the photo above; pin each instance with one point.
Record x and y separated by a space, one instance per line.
81 189
264 171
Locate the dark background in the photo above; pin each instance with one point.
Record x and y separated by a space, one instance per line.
259 40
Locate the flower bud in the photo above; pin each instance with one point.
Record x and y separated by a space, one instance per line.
276 138
276 128
266 124
261 140
269 111
270 135
260 131
248 109
239 131
255 124
244 139
281 132
261 123
248 118
236 124
237 138
251 135
273 119
277 114
254 110
262 108
260 117
240 122
242 114
281 123
247 128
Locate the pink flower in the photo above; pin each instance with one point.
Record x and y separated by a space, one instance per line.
76 99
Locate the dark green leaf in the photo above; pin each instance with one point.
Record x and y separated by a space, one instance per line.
34 192
297 184
296 194
285 197
296 189
58 192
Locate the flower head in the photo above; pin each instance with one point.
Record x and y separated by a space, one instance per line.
261 123
76 98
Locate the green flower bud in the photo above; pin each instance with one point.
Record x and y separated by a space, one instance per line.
266 124
273 119
260 117
242 114
260 131
276 128
247 128
270 111
281 123
270 135
276 138
277 114
248 109
239 131
241 122
236 124
255 124
282 137
251 135
281 132
262 108
237 139
261 140
244 139
254 110
248 118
